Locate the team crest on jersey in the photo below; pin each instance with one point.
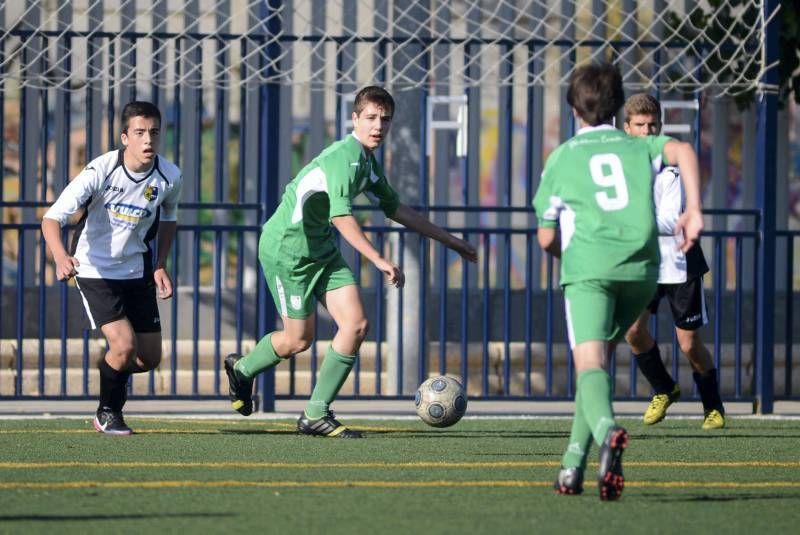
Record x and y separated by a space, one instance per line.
151 193
296 302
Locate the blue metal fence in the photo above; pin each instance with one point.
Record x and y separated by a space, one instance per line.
499 324
463 330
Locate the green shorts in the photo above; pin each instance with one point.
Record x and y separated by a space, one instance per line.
603 310
295 284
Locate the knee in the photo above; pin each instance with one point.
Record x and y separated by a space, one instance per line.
300 344
122 350
689 343
638 339
630 335
358 329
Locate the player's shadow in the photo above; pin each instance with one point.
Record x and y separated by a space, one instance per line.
710 435
107 516
696 497
257 431
473 434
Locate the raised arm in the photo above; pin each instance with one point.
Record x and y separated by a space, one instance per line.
408 217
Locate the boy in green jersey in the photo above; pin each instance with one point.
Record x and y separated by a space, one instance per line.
595 211
302 263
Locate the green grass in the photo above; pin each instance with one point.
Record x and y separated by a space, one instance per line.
481 476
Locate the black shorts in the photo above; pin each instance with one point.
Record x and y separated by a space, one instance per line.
107 300
687 301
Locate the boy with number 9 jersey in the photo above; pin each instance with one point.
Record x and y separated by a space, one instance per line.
595 210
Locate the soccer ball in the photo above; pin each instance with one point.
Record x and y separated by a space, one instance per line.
441 401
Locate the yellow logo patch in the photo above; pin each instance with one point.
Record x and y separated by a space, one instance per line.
151 193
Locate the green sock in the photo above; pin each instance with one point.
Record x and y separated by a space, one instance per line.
261 358
332 375
580 439
594 386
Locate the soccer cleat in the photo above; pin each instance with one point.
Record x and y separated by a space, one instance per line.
569 481
240 389
713 419
659 404
327 426
111 422
609 479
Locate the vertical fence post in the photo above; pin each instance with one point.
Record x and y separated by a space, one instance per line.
765 199
269 130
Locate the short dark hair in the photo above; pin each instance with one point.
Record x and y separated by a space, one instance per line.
642 104
139 108
596 93
376 95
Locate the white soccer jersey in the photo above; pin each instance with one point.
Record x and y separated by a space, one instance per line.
670 200
121 214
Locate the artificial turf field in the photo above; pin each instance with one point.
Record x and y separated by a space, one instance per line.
480 476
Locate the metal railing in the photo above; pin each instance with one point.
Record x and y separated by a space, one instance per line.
502 332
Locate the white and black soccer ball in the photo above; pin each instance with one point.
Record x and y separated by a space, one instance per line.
441 401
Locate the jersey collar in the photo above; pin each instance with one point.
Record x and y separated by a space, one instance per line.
136 177
587 129
360 145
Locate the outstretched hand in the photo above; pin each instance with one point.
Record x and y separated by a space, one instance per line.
394 275
466 250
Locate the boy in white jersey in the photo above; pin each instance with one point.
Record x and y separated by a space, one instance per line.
595 210
680 280
127 198
302 263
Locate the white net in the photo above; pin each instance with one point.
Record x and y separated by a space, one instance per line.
338 44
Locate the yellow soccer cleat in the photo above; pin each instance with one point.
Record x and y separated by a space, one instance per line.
659 404
713 419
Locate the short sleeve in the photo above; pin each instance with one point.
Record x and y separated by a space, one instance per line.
655 148
76 195
169 207
339 175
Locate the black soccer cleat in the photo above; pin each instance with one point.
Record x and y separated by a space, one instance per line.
240 389
327 426
609 478
569 481
111 422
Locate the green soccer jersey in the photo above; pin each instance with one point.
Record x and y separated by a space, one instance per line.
598 188
324 189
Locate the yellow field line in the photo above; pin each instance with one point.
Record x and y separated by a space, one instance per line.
35 485
417 464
